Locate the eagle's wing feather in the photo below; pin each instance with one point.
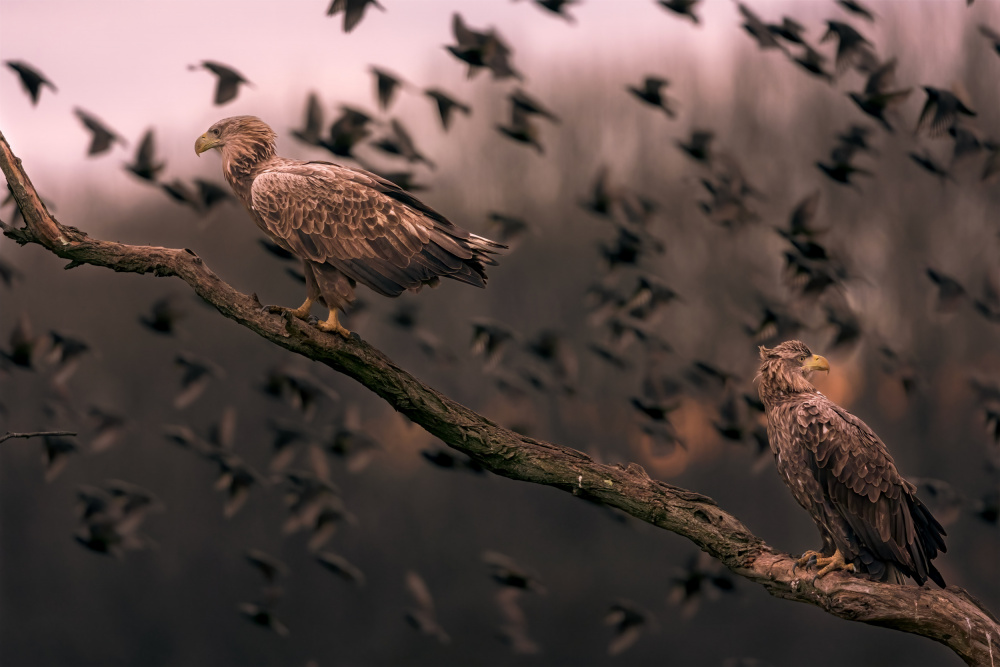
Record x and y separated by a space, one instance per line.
366 227
867 490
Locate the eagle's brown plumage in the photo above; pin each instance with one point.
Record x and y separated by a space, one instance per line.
347 225
839 470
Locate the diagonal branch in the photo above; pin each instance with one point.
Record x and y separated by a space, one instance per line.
950 616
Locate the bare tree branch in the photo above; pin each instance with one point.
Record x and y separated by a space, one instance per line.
950 616
39 434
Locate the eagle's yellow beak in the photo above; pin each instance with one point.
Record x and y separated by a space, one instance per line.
816 363
204 142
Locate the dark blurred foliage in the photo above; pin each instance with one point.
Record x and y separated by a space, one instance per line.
627 327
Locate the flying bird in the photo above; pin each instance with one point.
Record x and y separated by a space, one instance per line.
877 97
869 516
422 615
348 226
353 11
522 129
789 29
102 137
813 62
987 32
758 29
312 133
145 166
399 142
699 146
855 7
228 85
341 567
481 50
629 622
349 129
682 7
446 105
940 112
387 85
163 316
853 49
31 79
651 92
558 7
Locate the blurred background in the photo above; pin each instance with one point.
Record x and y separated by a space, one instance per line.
657 236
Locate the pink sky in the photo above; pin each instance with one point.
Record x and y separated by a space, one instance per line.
126 61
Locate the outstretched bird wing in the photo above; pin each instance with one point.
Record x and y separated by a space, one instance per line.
366 227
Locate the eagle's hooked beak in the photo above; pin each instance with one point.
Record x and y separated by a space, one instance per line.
204 142
816 363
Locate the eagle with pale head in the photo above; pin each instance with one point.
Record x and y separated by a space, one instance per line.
348 226
869 517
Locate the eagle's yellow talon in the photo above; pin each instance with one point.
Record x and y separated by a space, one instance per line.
331 325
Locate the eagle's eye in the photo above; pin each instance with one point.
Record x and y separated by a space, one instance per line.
215 131
803 357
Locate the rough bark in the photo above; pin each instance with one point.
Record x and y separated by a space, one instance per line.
950 616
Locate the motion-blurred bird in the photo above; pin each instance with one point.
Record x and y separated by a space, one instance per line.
56 450
682 7
855 7
447 106
521 128
341 567
399 142
31 79
270 567
558 7
108 428
699 146
23 344
387 85
514 630
163 316
144 165
940 112
353 11
101 136
349 129
629 621
813 62
505 571
853 49
228 85
651 92
702 577
531 106
447 460
65 352
789 29
422 615
311 133
299 388
509 230
758 29
992 35
931 165
950 292
481 50
198 374
877 97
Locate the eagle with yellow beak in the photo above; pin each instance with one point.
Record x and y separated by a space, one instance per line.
348 226
870 518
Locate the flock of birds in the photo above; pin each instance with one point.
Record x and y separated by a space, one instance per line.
626 309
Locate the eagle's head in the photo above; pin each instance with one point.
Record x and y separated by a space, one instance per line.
784 369
238 136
